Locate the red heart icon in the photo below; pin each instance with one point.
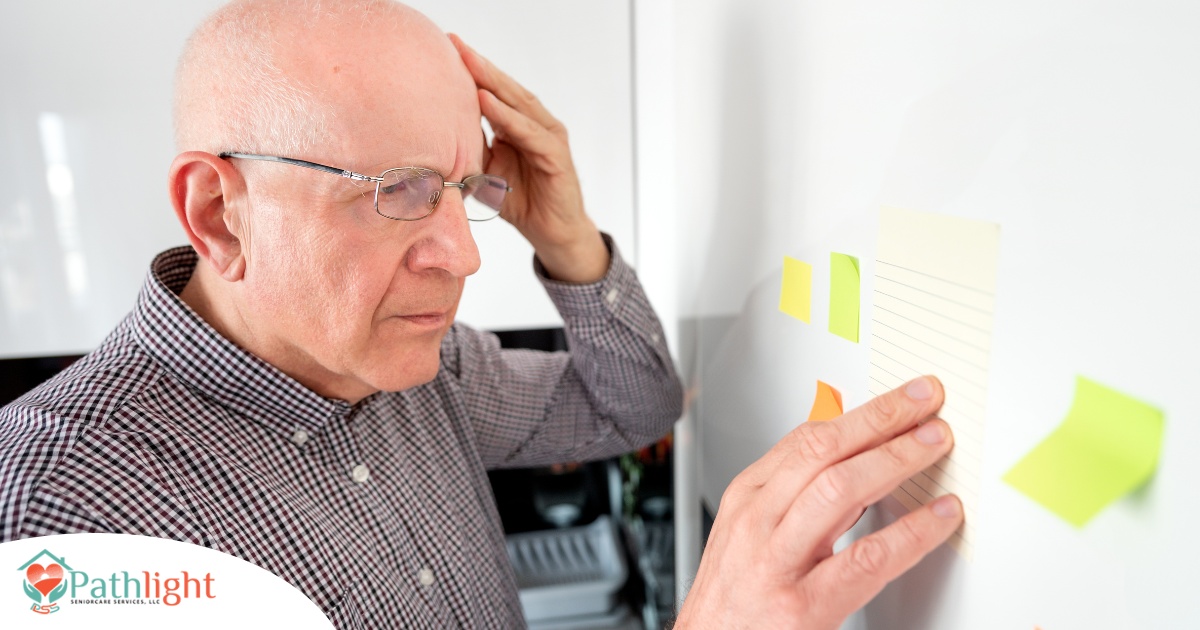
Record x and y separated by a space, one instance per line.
44 579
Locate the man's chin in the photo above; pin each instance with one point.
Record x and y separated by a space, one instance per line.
405 374
393 364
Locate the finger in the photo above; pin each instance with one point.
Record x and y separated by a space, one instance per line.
818 514
504 161
851 520
487 151
819 552
850 578
539 146
493 79
815 445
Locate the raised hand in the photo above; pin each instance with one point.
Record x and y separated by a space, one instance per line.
530 150
769 562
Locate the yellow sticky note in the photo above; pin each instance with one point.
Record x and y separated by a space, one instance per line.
828 404
1105 448
843 296
795 296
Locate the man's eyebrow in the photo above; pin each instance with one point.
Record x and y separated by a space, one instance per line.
379 167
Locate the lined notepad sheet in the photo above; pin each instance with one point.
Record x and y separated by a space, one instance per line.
935 284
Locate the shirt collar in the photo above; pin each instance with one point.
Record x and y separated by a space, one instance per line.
171 332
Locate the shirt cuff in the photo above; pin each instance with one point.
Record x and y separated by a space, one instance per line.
606 295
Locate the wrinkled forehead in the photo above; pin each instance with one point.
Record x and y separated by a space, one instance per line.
395 87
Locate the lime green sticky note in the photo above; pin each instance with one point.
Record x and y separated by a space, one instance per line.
795 297
843 296
1106 448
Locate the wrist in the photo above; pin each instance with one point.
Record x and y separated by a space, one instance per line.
581 260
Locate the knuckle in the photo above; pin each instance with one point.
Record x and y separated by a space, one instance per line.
896 456
809 602
744 525
733 494
883 413
529 126
739 521
908 532
729 496
818 441
868 556
529 98
791 603
831 486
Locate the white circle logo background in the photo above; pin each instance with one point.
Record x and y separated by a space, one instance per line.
242 593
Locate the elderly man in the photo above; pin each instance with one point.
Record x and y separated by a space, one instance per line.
291 388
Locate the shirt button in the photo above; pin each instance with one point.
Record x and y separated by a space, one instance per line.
299 437
360 473
612 296
425 577
654 337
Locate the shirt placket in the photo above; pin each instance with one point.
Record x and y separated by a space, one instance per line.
398 534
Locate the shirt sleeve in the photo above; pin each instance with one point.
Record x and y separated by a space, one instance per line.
32 443
614 391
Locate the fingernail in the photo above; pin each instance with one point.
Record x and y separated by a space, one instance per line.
920 389
946 507
931 433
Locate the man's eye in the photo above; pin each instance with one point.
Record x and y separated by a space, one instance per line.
399 186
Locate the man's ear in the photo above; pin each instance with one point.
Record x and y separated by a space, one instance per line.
202 187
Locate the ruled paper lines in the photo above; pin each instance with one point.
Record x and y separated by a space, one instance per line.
927 326
932 314
935 277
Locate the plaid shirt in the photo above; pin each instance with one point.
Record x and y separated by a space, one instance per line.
379 511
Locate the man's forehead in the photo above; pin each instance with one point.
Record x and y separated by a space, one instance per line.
447 155
398 98
399 43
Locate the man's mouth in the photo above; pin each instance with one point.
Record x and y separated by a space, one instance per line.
431 319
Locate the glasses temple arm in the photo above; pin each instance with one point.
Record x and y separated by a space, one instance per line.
306 164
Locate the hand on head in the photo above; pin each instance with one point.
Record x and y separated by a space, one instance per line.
297 266
531 151
769 561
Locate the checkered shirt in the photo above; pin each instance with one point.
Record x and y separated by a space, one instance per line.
380 511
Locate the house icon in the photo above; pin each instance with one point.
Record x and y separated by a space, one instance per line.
53 558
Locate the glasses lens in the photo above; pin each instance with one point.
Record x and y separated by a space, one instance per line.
408 193
484 196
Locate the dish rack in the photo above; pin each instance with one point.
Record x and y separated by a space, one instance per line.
568 573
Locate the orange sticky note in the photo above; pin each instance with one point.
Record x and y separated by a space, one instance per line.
828 404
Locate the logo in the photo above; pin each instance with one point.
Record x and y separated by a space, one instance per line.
44 582
47 578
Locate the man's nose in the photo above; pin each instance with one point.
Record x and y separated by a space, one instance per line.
447 242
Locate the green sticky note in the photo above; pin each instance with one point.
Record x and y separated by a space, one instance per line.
843 296
795 297
1106 448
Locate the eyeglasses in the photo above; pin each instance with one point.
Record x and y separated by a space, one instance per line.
410 193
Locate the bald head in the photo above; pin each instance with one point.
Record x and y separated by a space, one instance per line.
285 76
298 267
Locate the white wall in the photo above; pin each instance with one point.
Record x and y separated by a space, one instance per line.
1073 126
85 143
